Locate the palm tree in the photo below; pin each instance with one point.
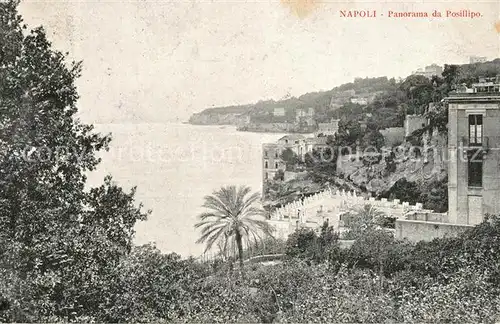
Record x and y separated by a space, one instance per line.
233 219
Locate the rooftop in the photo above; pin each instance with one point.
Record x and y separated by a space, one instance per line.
292 137
317 140
486 89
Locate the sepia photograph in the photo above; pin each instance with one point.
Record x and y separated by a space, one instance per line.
249 161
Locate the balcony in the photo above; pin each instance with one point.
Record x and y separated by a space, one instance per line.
466 144
469 148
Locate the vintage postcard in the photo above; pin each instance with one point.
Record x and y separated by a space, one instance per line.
249 161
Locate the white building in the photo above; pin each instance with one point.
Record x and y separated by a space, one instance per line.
279 112
477 59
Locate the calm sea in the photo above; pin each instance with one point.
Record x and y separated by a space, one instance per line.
174 166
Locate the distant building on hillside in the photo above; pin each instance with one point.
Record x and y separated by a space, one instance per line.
430 71
279 112
359 101
477 59
305 116
330 128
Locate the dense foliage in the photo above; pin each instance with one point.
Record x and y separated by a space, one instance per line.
378 279
60 243
433 194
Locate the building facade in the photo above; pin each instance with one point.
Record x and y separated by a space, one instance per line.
473 148
271 161
477 59
430 71
327 129
305 116
359 101
279 112
271 154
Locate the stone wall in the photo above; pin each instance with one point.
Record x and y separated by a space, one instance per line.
420 230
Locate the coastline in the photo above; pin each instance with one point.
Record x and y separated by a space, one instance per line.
252 129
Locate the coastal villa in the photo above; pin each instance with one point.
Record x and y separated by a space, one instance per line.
299 144
271 154
473 178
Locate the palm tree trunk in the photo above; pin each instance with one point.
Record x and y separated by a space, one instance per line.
239 242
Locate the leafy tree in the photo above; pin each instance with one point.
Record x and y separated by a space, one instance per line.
321 164
305 244
233 219
404 190
434 195
349 134
373 139
60 241
290 158
361 220
372 247
301 244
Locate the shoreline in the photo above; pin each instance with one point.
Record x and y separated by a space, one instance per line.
252 130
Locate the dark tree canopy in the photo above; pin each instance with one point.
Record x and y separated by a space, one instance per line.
65 238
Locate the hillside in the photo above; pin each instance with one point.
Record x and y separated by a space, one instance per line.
323 102
385 100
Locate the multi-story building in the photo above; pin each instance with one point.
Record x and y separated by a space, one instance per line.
279 112
430 71
271 161
313 143
327 129
271 154
305 116
477 59
473 148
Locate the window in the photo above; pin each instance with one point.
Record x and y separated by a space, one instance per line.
275 165
475 169
265 153
266 164
476 130
267 175
276 154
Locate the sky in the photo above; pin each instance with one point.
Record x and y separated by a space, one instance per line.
160 61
